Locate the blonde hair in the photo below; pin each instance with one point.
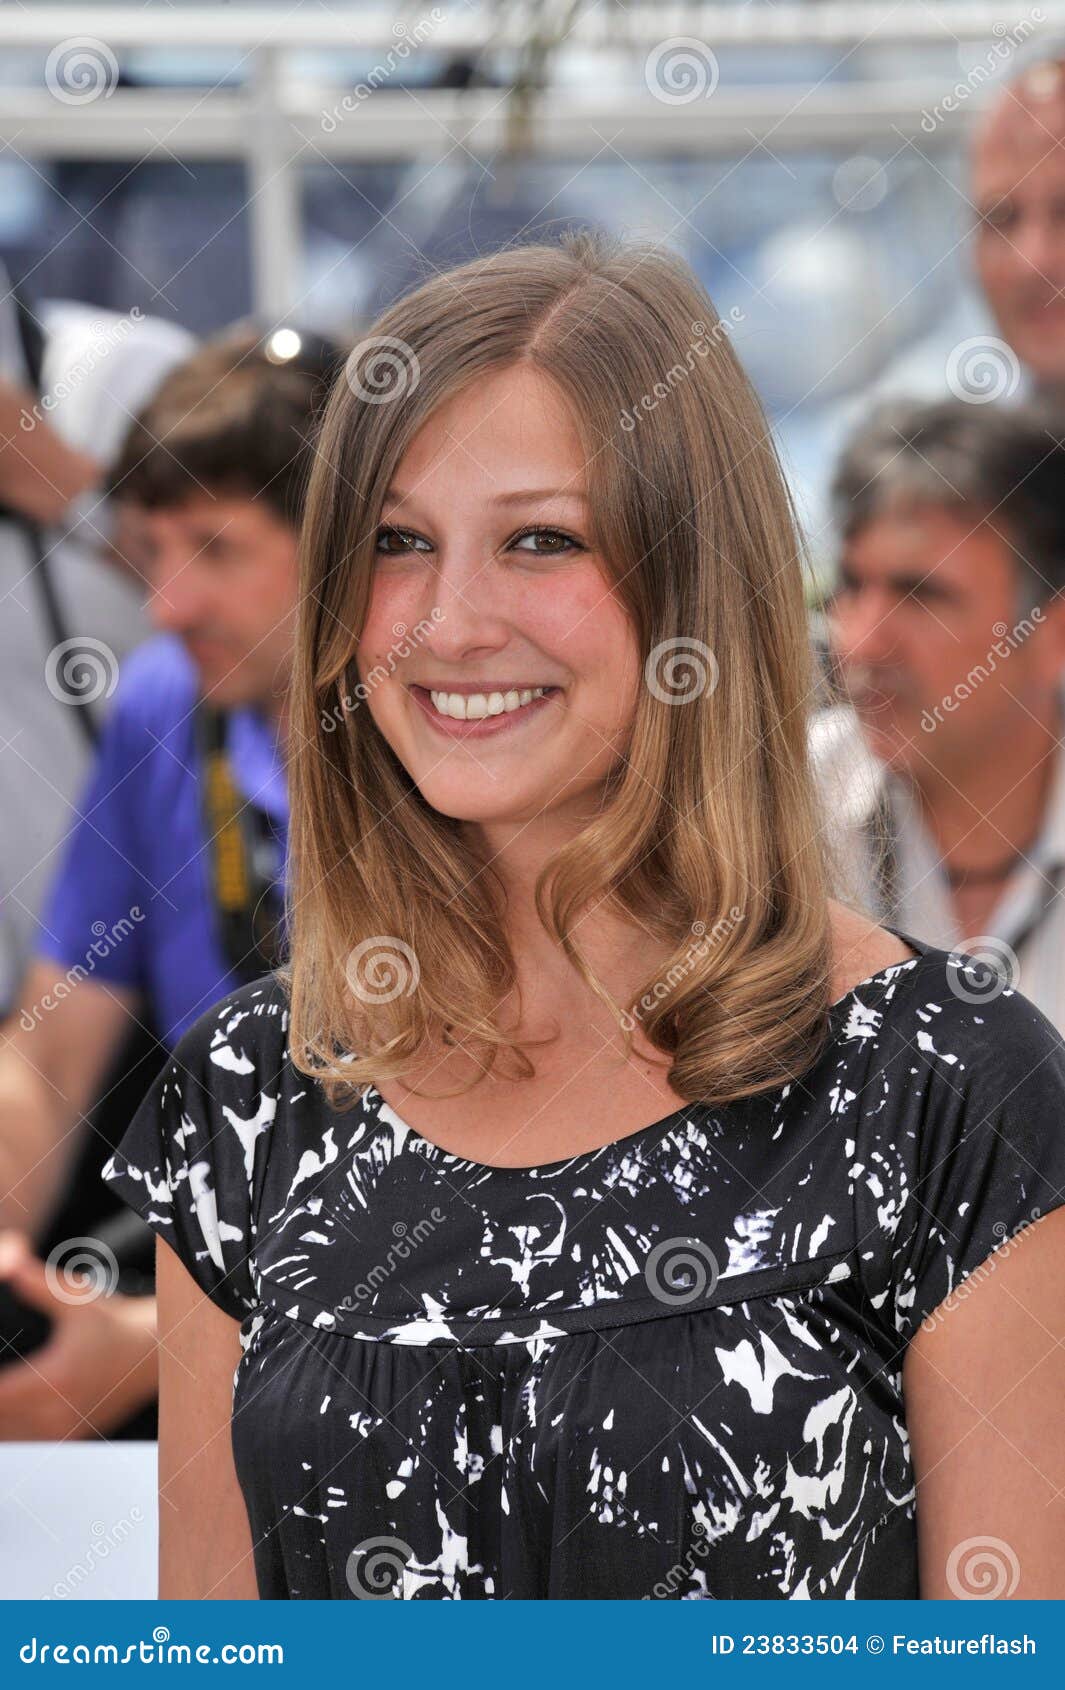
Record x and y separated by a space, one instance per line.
709 832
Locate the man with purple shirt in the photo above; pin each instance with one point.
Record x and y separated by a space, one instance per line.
133 900
167 889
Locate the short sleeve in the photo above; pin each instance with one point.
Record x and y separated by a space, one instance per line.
191 1160
975 1154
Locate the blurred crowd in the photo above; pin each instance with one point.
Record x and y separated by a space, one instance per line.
149 517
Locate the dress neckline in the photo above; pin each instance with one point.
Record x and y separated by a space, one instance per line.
541 1169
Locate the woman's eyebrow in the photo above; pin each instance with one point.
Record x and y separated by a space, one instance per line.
395 495
522 493
518 497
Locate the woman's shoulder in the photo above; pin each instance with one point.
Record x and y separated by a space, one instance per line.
955 1124
192 1160
243 1034
964 1014
956 1008
861 949
942 1060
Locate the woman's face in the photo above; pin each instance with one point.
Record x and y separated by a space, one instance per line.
486 584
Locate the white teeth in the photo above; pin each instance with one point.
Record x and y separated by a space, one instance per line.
477 704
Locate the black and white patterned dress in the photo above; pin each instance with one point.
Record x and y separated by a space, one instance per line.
670 1367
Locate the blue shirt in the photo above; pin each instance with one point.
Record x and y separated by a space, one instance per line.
131 904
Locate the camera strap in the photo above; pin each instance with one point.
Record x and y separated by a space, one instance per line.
244 858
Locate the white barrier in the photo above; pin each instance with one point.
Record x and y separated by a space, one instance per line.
79 1520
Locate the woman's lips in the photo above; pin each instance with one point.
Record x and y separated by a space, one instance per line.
482 727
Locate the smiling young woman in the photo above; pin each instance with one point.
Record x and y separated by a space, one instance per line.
582 1210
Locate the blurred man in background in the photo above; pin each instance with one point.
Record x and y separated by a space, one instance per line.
1004 340
969 787
1018 190
70 379
168 893
948 632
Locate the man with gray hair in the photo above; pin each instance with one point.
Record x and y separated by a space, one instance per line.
947 638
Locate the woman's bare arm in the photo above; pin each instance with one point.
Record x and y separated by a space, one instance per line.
205 1548
985 1405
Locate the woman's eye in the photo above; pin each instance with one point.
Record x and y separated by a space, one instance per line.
558 543
406 542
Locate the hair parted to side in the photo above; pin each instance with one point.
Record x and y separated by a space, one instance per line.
714 808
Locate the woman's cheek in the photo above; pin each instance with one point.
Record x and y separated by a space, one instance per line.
392 614
568 613
391 593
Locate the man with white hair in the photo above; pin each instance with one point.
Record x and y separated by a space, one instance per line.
942 756
1017 187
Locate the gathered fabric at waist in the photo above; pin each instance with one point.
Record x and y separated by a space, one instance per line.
441 1325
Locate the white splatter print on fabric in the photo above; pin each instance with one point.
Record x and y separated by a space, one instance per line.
670 1367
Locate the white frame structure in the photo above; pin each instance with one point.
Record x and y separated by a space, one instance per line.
273 121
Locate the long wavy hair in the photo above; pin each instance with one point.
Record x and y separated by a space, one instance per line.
709 832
